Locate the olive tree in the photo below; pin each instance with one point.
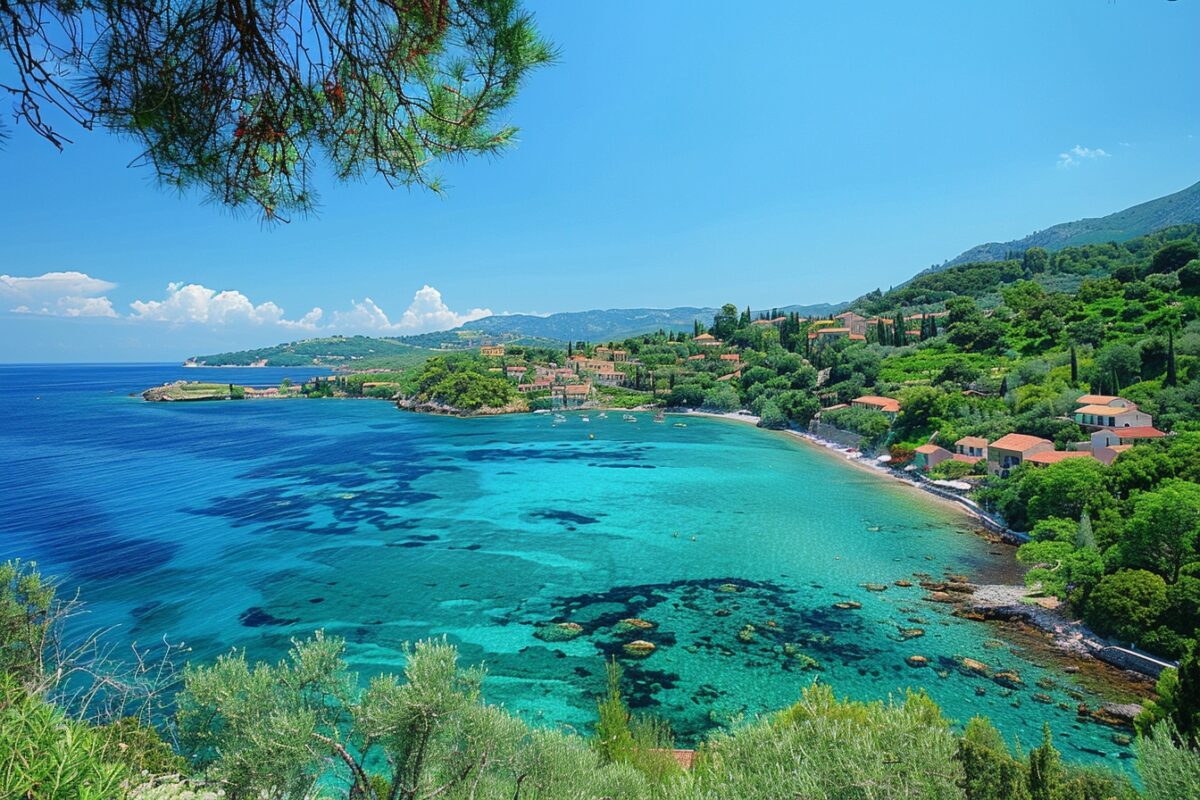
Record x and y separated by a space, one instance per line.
284 730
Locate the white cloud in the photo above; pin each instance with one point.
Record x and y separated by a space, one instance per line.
1078 154
193 303
58 294
427 312
76 294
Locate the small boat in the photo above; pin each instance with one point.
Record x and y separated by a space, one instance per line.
660 417
602 415
679 425
629 417
559 418
585 419
542 411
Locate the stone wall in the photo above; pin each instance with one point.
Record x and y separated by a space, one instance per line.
835 435
1137 662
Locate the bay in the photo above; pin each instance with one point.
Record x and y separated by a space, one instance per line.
247 524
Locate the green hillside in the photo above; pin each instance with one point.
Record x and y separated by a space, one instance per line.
1175 209
327 351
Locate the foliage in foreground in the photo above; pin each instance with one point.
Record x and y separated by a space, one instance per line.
269 90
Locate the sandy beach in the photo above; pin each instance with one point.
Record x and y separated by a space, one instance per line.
847 457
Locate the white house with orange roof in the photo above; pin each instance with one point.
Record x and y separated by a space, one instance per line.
971 449
707 340
1108 443
1044 457
1110 411
887 405
1010 451
929 456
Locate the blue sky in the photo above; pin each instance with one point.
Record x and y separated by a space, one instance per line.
679 154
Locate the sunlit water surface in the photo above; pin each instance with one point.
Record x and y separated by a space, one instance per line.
243 525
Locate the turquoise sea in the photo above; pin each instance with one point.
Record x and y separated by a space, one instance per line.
244 524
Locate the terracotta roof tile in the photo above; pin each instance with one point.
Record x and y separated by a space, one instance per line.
1139 432
1019 442
1054 456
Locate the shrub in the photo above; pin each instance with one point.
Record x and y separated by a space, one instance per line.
44 754
952 470
771 416
1127 603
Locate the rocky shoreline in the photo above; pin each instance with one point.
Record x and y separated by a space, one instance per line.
1070 639
442 409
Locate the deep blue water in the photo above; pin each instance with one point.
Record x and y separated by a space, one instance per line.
243 524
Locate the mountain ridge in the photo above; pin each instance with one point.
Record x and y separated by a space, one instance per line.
1178 208
1182 207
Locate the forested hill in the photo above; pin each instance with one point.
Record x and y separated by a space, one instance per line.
1174 209
1062 271
615 323
526 329
327 350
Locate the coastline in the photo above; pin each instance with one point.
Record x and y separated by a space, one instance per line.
997 603
962 505
991 602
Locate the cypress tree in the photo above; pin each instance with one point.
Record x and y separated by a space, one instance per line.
1171 378
1003 386
1084 537
1045 769
1186 714
880 331
1074 367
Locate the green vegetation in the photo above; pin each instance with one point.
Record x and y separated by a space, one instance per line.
976 349
363 352
191 390
308 727
462 383
1139 220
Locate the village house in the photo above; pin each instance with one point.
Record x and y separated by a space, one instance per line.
853 323
515 372
620 356
732 358
1107 411
1107 443
610 377
887 405
707 340
822 335
492 351
1010 451
542 385
775 321
603 352
971 449
1044 457
929 456
572 395
829 333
